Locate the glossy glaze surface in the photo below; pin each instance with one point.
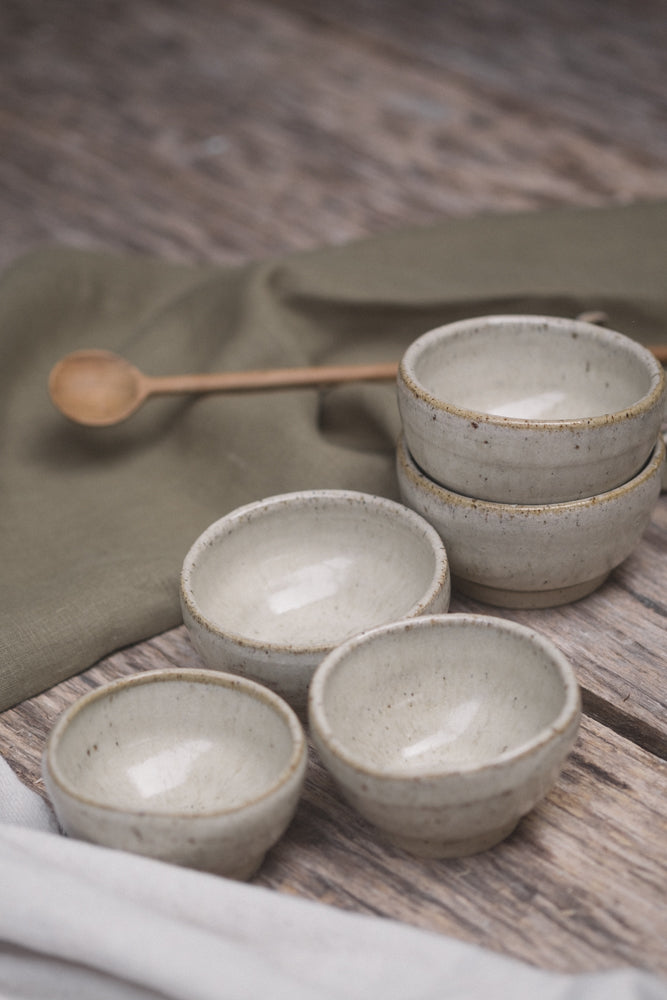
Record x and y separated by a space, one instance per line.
531 371
529 409
446 730
198 748
270 588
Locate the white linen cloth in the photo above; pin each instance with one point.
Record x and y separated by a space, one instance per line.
81 921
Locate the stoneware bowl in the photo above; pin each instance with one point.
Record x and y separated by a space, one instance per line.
529 409
269 589
444 731
540 555
193 767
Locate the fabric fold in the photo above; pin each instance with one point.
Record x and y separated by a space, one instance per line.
96 522
78 920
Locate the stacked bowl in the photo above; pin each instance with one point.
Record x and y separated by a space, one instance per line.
530 462
532 444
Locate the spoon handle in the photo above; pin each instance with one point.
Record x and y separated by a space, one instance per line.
279 378
285 378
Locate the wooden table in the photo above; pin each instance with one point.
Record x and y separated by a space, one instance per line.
228 131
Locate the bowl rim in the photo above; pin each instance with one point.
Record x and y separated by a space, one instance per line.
407 463
569 713
646 403
192 675
255 509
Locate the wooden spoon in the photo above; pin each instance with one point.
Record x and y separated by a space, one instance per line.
98 388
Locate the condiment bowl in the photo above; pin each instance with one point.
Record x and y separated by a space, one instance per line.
269 589
445 730
193 767
529 409
538 555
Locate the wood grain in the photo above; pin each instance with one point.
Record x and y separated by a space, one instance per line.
579 885
562 891
250 128
229 132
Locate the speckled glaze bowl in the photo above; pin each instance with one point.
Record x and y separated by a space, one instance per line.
193 767
534 556
529 409
444 731
269 589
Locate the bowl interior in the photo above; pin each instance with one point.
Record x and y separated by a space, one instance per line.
174 746
427 698
535 370
311 575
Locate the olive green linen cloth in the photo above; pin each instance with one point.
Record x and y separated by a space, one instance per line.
95 523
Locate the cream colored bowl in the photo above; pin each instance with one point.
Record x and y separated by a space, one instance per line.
534 556
444 731
193 767
269 589
529 409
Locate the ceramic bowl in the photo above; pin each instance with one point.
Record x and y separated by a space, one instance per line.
269 589
193 767
540 555
529 409
444 731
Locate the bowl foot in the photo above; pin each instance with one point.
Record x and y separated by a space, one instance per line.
437 849
501 597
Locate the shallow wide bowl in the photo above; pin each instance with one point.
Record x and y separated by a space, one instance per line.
444 731
534 556
529 409
269 589
194 767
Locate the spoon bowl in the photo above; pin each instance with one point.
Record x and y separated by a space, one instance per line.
96 387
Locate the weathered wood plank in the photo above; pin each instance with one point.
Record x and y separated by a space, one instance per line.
562 892
246 129
291 124
580 884
575 63
213 131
